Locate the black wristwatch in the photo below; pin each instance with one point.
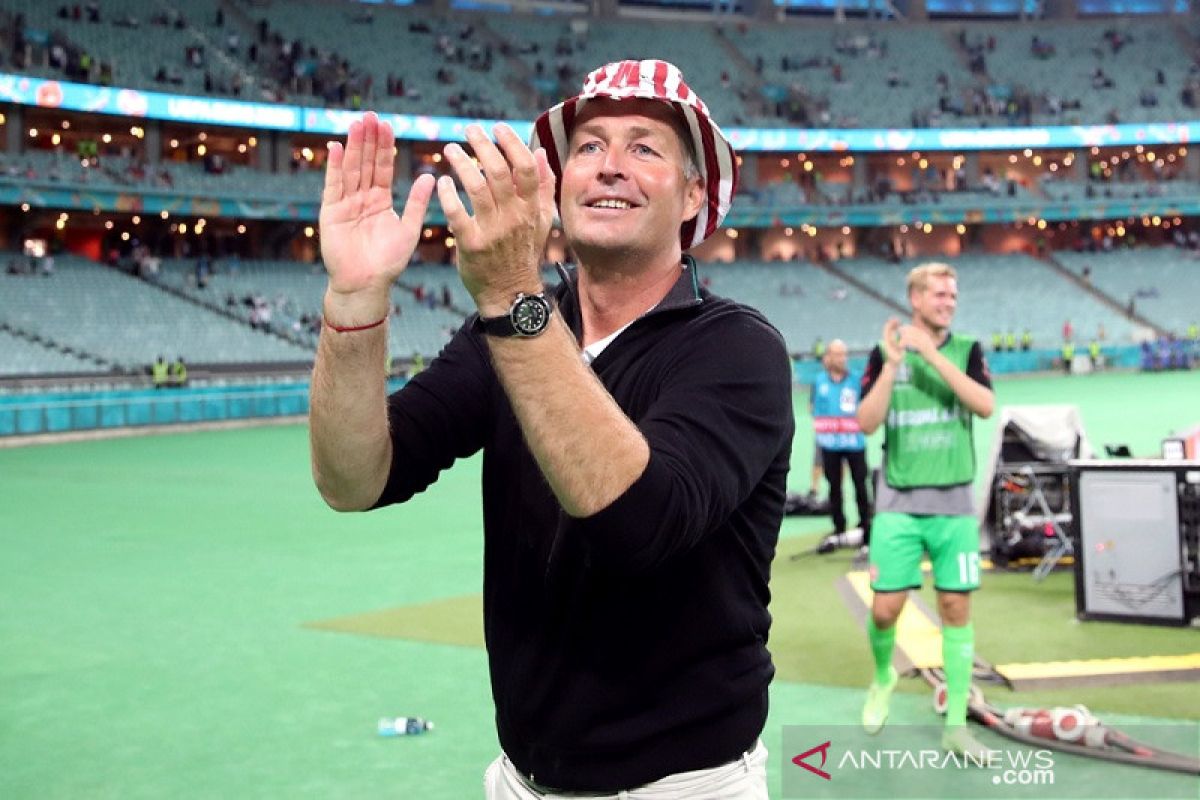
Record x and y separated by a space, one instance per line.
528 316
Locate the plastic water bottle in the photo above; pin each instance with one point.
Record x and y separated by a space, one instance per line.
403 726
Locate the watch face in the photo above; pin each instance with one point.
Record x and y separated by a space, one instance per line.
530 315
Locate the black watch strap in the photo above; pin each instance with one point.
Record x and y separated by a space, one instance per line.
528 316
498 326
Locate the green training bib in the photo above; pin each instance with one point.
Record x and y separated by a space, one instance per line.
928 431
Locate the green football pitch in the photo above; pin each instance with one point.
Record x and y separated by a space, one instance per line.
182 617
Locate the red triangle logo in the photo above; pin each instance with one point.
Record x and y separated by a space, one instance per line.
823 749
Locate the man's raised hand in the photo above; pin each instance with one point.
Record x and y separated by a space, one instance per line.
893 349
914 338
365 244
512 196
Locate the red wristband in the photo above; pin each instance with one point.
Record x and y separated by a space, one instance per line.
353 328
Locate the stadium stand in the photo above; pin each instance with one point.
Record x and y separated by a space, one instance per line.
291 292
247 182
1003 293
23 356
1161 283
1099 70
565 53
448 63
184 178
1132 190
850 76
96 310
810 72
129 43
421 60
289 289
802 300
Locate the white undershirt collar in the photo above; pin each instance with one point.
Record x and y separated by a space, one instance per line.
593 350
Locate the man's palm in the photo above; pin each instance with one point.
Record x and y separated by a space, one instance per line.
893 349
366 240
364 243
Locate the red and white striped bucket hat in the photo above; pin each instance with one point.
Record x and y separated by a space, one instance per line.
653 80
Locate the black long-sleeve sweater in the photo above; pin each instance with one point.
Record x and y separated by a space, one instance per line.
630 644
